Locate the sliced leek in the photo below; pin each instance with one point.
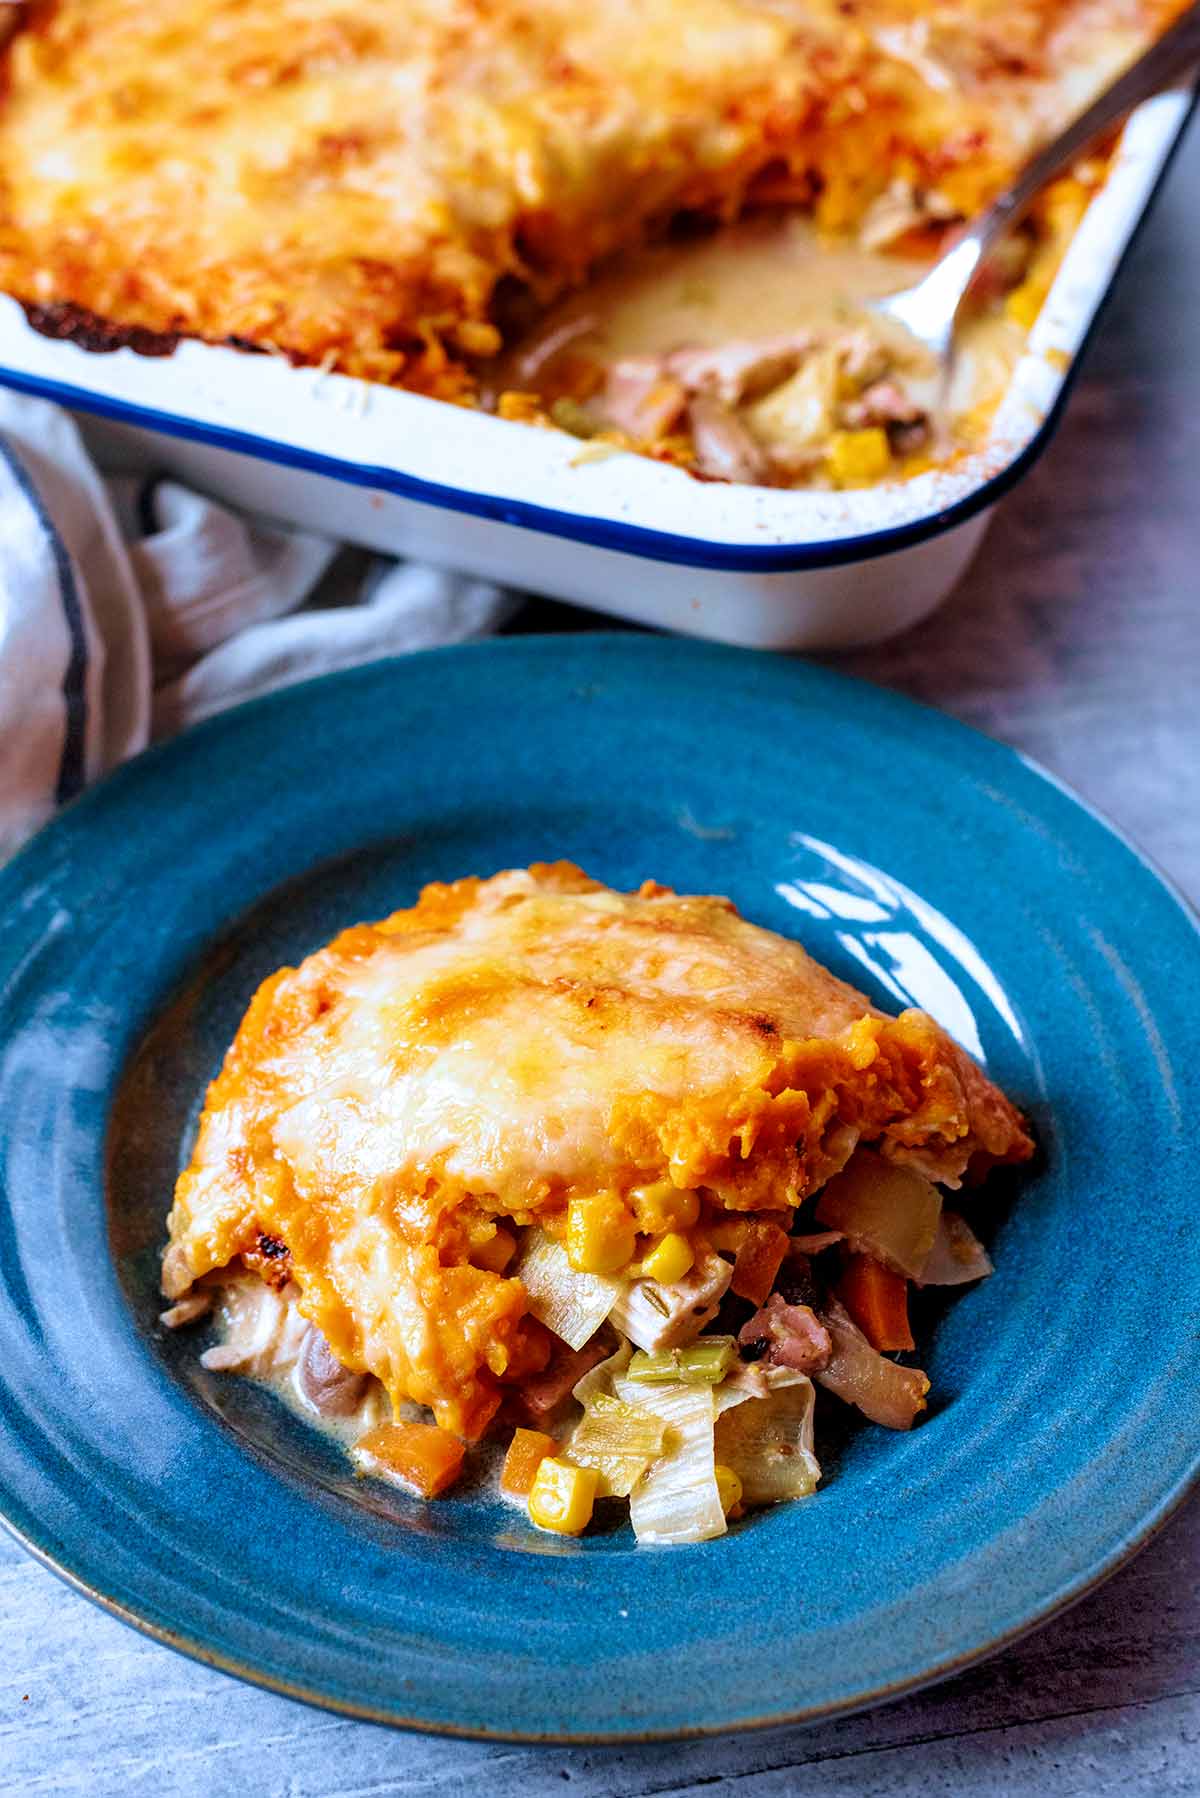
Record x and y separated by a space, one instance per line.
618 1441
678 1499
704 1363
957 1255
768 1443
885 1210
600 1378
753 1380
572 1304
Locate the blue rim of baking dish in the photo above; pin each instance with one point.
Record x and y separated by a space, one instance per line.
600 533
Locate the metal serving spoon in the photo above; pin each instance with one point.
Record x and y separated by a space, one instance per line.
929 311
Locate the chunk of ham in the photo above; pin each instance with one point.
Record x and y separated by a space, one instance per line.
542 1393
658 1317
794 1336
881 1389
732 372
646 396
641 398
724 448
886 404
331 1389
883 403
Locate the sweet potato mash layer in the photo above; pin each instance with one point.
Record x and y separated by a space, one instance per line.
508 1045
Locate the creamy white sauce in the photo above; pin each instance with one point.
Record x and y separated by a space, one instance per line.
760 279
262 1332
260 1335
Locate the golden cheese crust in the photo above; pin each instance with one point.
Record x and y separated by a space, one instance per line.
353 181
509 1044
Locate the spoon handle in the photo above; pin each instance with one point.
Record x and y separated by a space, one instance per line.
1165 62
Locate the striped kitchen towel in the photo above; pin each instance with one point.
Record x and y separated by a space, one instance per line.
130 608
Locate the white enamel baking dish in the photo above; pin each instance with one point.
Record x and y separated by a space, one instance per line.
629 536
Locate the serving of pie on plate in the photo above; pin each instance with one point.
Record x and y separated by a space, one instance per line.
609 1177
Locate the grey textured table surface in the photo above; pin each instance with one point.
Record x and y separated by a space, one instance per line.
1076 637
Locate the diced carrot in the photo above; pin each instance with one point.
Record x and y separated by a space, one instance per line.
877 1300
759 1257
418 1454
526 1452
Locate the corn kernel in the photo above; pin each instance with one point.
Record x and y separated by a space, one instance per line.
476 338
729 1487
1063 205
662 1206
600 1234
1026 301
856 457
562 1496
524 407
669 1260
496 1253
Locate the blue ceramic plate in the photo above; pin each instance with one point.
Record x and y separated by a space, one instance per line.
924 862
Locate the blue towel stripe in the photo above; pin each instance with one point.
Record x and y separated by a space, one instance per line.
146 504
72 761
